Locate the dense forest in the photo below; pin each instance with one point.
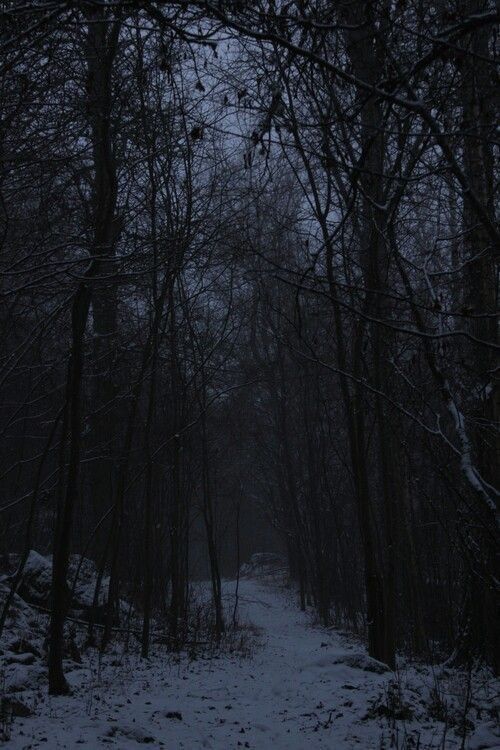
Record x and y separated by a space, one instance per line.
249 291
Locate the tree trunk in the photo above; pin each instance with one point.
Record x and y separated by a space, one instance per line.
64 522
102 45
481 624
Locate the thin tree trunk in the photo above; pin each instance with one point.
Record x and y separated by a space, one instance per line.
209 519
64 522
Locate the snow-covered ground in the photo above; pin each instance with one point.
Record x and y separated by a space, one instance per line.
301 687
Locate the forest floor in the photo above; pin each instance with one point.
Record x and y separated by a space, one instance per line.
299 686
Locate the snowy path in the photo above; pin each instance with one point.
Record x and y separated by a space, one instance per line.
294 693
